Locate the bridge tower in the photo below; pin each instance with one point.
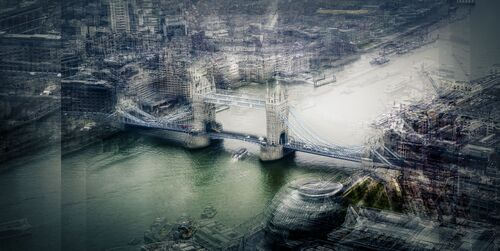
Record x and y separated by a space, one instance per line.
277 130
203 113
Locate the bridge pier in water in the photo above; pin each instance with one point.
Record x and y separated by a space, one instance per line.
276 129
197 141
203 118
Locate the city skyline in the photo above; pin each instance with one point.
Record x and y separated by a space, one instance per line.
249 125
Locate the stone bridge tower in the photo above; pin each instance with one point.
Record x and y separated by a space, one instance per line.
277 130
203 113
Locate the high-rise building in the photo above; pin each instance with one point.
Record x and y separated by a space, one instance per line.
24 18
31 53
176 62
119 16
147 16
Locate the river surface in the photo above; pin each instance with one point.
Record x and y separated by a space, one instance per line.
108 193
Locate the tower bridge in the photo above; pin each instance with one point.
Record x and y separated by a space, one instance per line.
285 132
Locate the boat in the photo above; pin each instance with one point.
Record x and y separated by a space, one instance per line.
15 228
324 80
401 51
379 60
208 212
346 92
240 153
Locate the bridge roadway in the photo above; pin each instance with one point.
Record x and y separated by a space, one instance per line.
230 99
321 151
337 153
131 120
186 129
326 151
237 136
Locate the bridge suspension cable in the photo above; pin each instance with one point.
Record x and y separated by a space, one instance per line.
302 133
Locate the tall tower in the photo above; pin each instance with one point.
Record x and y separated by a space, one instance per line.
203 113
277 130
119 16
201 84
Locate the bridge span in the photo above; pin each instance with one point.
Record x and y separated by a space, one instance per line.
327 151
237 136
285 131
234 99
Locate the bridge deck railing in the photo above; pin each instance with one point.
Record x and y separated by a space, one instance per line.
351 154
237 136
225 97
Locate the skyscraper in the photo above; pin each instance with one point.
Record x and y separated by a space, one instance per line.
119 16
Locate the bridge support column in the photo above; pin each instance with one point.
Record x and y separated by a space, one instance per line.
270 153
197 141
277 130
202 116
